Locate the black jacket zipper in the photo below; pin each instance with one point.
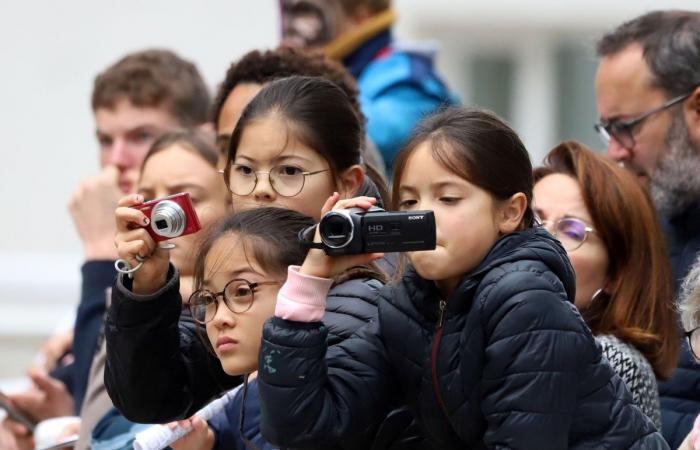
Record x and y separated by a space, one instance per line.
442 305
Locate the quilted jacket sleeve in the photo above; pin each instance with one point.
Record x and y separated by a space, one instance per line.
312 397
536 343
158 369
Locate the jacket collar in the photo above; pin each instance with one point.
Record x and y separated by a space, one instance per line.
359 47
533 243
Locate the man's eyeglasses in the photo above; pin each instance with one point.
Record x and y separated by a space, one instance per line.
238 296
623 130
570 231
286 180
693 337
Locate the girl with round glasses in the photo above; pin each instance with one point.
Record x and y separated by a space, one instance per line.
607 224
238 272
296 143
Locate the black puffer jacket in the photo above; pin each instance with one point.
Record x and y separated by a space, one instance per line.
158 369
508 364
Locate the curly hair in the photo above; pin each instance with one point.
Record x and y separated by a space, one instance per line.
155 78
262 67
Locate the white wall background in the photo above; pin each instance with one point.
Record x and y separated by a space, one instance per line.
50 52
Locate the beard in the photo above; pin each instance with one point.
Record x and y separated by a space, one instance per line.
675 184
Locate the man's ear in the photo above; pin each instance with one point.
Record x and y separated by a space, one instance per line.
691 113
511 212
350 181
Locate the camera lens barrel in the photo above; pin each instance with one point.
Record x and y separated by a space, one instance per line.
337 229
168 219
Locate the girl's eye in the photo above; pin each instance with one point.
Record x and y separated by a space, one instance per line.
288 171
243 170
449 200
243 291
408 203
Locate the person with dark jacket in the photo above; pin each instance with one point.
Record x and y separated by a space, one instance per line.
480 336
297 141
648 97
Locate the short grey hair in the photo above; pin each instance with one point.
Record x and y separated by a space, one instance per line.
689 298
671 45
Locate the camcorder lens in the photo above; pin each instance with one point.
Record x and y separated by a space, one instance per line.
336 230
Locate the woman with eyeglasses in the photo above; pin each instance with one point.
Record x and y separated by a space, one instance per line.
607 224
296 143
689 301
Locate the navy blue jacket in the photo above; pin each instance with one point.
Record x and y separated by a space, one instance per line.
506 362
680 395
227 427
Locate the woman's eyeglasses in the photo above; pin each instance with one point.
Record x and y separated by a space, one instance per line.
238 295
286 180
570 231
693 337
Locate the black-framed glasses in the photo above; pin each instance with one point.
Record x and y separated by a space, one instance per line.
693 337
570 231
286 180
623 130
238 295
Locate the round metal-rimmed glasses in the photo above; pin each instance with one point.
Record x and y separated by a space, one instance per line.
693 337
570 231
238 295
286 180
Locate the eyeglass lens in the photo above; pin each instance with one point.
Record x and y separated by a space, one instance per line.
238 296
286 180
570 232
694 340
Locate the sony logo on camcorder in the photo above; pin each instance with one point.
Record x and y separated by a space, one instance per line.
415 217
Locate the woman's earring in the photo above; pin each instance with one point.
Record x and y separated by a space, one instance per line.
596 294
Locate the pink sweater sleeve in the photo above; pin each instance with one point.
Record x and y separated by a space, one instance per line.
302 298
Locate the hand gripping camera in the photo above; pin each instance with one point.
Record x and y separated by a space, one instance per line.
170 217
355 231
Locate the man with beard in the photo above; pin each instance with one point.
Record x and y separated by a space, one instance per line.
648 96
398 86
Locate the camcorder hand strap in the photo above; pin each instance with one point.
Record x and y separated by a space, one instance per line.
306 238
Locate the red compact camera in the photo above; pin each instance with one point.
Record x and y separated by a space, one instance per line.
170 217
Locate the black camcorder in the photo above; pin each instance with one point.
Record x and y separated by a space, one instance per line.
355 231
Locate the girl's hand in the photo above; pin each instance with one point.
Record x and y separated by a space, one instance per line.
317 263
200 438
133 240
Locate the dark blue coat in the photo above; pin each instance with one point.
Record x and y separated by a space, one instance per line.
680 395
227 427
508 363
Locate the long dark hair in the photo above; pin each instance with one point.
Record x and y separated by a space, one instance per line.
637 306
320 115
478 146
270 235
